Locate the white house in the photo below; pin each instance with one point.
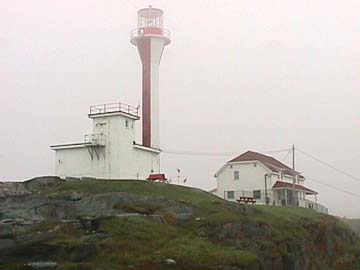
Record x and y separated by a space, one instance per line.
110 151
264 179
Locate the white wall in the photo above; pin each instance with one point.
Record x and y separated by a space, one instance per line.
150 163
73 162
119 159
251 177
157 47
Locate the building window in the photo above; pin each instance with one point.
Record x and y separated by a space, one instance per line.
230 195
127 123
257 194
230 166
255 165
236 175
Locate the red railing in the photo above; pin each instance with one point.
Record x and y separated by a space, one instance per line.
114 107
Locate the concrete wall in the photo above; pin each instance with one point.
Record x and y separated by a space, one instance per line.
150 161
117 160
157 47
73 162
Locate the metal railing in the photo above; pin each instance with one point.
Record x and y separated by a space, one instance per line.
95 139
114 107
138 32
272 199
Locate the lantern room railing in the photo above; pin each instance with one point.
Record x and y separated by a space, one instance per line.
139 32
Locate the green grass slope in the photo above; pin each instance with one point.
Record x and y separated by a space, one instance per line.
214 235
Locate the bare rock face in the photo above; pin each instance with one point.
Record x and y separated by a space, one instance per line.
8 189
41 183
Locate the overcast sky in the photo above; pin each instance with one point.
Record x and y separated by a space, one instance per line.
238 75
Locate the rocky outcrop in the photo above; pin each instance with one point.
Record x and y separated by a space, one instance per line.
353 223
72 225
8 189
37 184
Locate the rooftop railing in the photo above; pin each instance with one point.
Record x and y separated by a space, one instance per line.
113 108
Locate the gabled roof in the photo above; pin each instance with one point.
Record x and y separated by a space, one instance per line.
285 185
270 162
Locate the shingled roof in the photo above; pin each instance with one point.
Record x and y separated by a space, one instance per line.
285 185
270 162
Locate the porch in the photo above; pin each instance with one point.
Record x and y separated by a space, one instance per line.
276 197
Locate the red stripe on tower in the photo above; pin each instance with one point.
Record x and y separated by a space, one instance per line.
144 47
150 38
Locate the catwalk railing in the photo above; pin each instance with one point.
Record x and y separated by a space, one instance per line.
139 32
95 139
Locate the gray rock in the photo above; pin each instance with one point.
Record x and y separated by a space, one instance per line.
170 262
8 189
42 265
41 183
7 243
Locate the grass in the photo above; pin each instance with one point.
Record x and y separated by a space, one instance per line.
183 194
208 240
136 241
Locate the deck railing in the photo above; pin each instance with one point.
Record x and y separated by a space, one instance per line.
260 195
114 107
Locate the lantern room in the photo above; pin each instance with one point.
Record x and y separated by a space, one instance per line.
150 23
150 18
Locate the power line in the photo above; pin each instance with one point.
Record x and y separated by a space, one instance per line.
286 156
333 187
330 165
199 153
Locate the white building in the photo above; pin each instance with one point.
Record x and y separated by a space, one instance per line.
264 179
110 152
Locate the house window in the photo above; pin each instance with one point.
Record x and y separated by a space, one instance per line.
236 175
230 166
127 123
230 195
257 194
255 165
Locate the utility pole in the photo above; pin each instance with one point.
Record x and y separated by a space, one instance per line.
293 174
266 200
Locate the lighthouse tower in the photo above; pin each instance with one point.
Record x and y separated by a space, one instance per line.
150 38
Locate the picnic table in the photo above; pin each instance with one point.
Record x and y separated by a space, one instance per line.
246 200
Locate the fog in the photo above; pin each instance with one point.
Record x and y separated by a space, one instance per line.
238 75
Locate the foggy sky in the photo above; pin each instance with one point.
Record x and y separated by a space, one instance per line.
238 75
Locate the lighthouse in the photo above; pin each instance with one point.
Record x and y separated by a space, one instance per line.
150 38
111 150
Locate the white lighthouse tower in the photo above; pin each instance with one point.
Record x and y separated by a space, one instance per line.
150 38
110 151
